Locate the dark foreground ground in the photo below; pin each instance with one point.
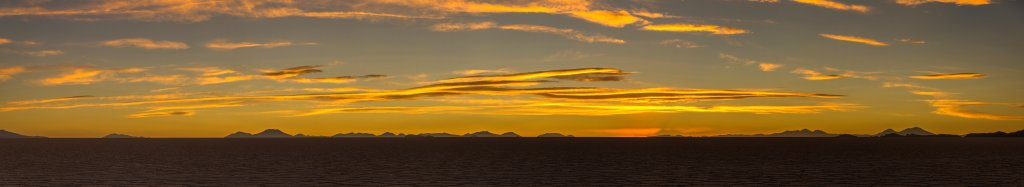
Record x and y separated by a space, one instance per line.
514 161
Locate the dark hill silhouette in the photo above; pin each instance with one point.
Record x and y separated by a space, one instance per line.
391 135
269 133
307 136
667 136
8 134
908 131
354 135
1019 134
272 133
897 135
554 135
510 135
792 133
488 134
847 136
116 135
886 131
433 135
239 134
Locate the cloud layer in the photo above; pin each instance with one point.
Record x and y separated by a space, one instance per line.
854 39
568 33
460 91
143 43
949 76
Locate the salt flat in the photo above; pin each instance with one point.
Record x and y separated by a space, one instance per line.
514 161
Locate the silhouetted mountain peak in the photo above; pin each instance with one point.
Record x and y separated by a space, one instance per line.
354 135
8 134
272 133
803 133
480 134
388 135
554 135
489 134
239 134
1019 133
510 134
915 131
433 135
885 132
116 135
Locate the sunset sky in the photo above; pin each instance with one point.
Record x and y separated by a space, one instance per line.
199 68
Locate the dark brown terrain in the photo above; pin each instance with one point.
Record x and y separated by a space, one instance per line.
514 161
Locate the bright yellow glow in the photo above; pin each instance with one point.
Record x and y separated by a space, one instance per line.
835 5
854 39
950 76
957 2
608 18
682 27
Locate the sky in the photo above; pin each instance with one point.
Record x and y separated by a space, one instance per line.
207 68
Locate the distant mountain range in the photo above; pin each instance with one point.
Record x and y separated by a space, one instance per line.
1019 133
8 134
913 131
554 135
116 135
792 133
908 131
275 133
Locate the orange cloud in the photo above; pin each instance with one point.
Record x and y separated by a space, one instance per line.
854 39
616 19
195 11
4 41
835 5
481 71
768 66
568 33
43 53
335 80
43 101
764 66
904 85
86 76
143 43
214 75
652 15
679 43
580 9
814 75
446 27
359 15
198 106
220 80
8 72
164 79
223 45
162 114
957 108
950 76
535 75
209 71
683 27
957 2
